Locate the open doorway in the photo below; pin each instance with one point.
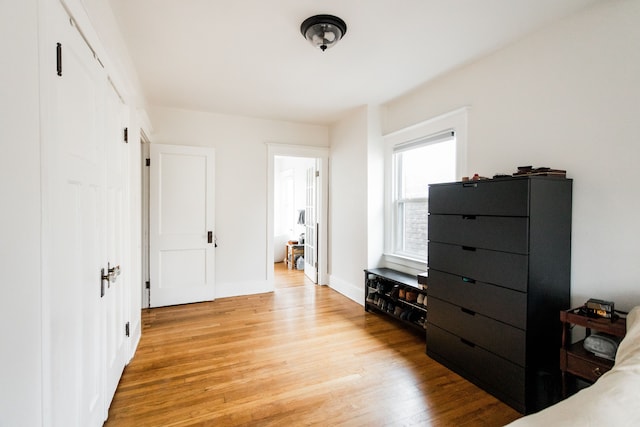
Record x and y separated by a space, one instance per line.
297 215
294 222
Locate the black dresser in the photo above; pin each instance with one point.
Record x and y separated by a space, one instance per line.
499 273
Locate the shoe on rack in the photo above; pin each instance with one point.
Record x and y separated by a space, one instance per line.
395 291
411 296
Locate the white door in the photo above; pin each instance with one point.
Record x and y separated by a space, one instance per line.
311 226
73 231
181 225
116 240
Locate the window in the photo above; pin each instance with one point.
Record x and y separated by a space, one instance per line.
425 153
417 164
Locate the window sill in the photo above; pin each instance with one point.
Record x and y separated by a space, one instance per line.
411 263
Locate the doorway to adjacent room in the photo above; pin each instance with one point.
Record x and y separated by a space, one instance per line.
297 201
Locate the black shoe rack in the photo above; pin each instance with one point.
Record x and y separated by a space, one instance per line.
397 295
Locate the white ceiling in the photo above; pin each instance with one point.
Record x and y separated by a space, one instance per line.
247 57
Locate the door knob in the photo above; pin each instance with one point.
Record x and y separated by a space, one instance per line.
103 277
114 272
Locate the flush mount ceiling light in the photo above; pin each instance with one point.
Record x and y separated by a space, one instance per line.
323 31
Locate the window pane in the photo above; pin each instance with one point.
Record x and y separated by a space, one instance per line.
416 168
414 238
425 165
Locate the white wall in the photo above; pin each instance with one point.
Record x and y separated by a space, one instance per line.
348 204
20 217
375 193
566 97
241 185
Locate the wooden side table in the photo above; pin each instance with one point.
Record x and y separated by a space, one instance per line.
293 251
577 361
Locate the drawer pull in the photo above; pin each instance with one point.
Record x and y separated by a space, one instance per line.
468 217
466 310
468 280
465 342
596 372
469 185
469 248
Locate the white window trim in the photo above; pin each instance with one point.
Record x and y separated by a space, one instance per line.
456 120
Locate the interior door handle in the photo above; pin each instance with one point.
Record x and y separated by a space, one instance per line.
114 272
103 277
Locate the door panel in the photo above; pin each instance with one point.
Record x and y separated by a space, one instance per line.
73 230
311 226
116 241
181 216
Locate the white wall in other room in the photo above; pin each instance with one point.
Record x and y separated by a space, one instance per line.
241 184
566 97
290 184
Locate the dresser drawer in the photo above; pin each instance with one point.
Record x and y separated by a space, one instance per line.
507 234
501 268
495 374
499 303
497 337
506 198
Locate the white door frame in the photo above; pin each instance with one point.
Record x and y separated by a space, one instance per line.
146 192
289 150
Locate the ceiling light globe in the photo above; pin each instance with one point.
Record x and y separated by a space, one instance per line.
323 31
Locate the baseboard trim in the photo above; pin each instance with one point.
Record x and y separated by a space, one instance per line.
347 289
235 289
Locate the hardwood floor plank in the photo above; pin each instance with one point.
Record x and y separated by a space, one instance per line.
302 355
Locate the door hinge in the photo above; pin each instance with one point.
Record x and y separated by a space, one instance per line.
147 162
126 329
315 265
147 285
126 135
317 174
59 58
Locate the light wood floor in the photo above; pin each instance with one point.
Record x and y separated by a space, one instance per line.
302 355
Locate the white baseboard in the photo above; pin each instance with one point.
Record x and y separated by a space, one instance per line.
235 289
135 341
351 291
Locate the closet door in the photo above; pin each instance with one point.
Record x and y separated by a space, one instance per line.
117 175
73 176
